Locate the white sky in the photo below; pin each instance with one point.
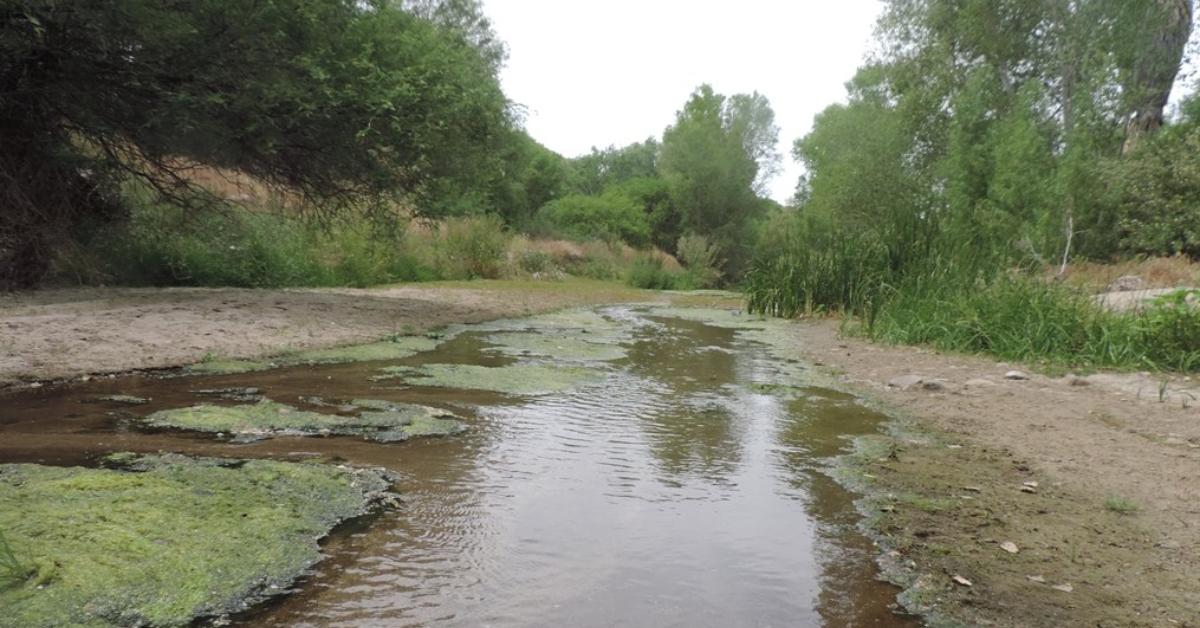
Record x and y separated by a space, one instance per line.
616 71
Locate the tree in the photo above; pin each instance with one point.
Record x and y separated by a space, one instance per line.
709 161
345 103
994 116
602 169
751 119
1169 24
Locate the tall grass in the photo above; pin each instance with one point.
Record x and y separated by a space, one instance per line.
160 245
958 295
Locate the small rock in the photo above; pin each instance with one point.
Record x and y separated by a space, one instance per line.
979 383
904 382
1031 484
961 580
1065 587
973 489
1016 376
1009 547
1037 579
1028 489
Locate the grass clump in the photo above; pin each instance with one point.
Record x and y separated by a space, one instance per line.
13 571
165 540
1120 505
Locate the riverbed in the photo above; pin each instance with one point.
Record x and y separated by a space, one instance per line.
673 473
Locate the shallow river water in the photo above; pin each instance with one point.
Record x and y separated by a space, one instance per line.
681 484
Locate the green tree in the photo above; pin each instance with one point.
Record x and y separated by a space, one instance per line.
710 161
995 116
602 169
345 103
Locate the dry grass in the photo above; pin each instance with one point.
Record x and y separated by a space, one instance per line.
1156 272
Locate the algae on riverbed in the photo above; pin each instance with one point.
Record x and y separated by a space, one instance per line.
514 379
396 349
554 345
221 366
389 422
167 539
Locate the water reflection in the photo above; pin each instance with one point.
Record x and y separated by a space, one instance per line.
694 433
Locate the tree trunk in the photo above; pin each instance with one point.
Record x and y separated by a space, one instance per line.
1155 71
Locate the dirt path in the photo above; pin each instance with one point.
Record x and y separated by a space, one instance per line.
951 490
55 334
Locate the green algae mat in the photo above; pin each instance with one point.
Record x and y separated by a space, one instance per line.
384 422
164 540
394 349
515 379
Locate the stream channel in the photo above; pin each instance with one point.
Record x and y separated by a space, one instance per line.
671 470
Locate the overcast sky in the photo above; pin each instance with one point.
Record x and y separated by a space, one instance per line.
616 71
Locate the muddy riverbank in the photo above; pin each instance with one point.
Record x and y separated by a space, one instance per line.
55 334
1094 480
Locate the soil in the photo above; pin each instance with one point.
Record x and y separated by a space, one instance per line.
1109 536
59 334
1111 510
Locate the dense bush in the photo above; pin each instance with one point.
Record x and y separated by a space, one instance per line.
1158 195
610 217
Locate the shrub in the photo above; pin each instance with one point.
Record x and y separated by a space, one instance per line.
609 217
162 245
535 262
473 248
1157 195
598 260
649 272
701 258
